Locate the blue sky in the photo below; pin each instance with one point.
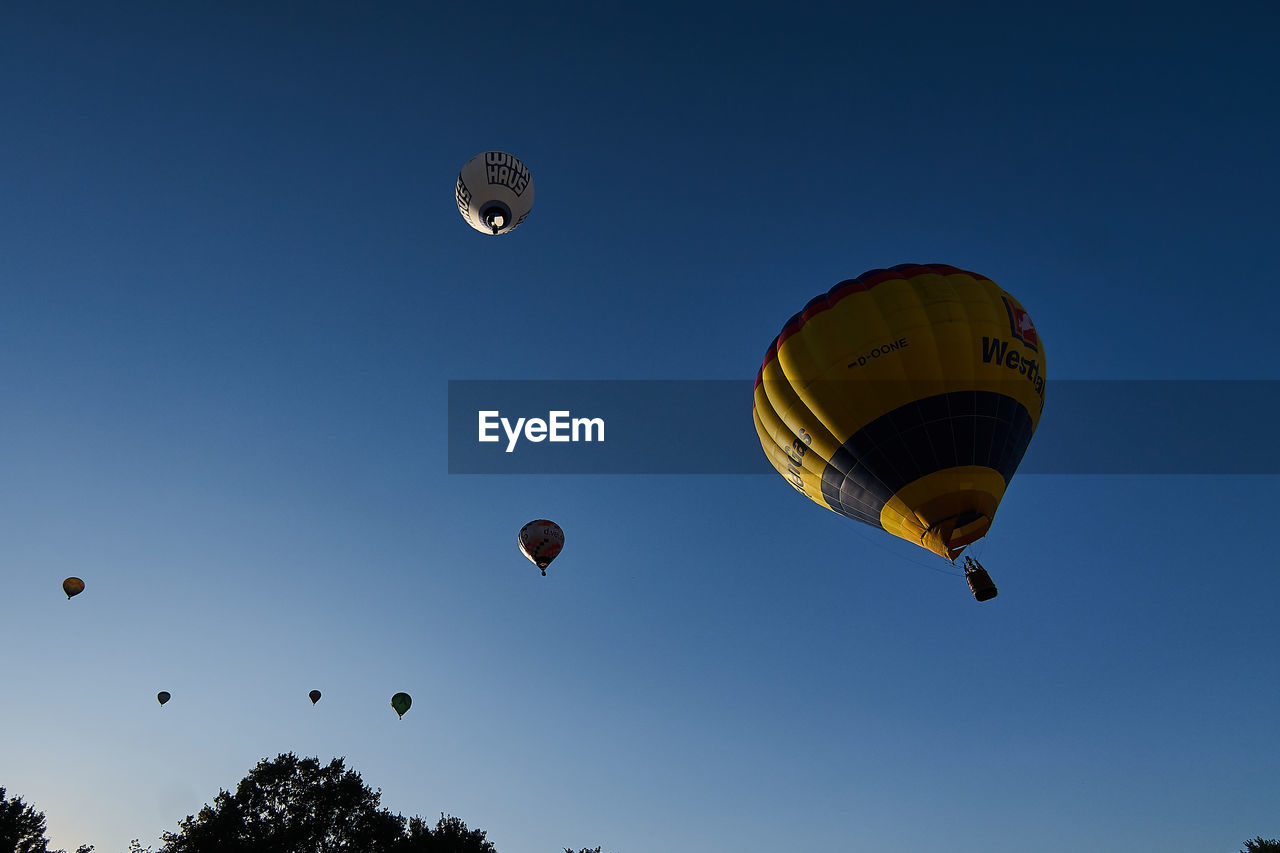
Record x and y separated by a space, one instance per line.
234 286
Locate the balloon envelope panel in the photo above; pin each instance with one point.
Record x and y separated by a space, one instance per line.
904 399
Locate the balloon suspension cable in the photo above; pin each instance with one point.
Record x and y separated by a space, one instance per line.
978 548
924 565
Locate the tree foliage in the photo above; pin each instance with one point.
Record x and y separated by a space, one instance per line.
22 828
291 804
450 835
294 805
1261 845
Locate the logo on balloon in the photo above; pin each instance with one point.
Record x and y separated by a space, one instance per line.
503 169
1021 326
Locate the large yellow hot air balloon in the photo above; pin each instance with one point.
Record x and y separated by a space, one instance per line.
904 399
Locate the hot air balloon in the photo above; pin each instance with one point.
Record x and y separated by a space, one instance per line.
314 695
162 696
905 399
494 192
541 540
72 586
401 702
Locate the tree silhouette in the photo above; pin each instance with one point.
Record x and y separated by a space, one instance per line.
22 828
450 836
293 805
1261 845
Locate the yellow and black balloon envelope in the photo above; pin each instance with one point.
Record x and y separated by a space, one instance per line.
72 586
905 399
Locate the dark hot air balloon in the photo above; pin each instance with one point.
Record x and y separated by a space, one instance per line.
541 541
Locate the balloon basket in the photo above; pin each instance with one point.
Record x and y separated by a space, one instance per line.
980 584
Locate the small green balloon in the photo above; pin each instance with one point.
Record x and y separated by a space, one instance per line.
401 702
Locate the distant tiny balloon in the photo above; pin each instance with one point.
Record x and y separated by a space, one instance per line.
494 192
401 702
162 696
541 540
72 586
315 696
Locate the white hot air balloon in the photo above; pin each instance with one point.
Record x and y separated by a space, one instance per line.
495 192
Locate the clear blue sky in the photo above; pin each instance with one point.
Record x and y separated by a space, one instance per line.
234 285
